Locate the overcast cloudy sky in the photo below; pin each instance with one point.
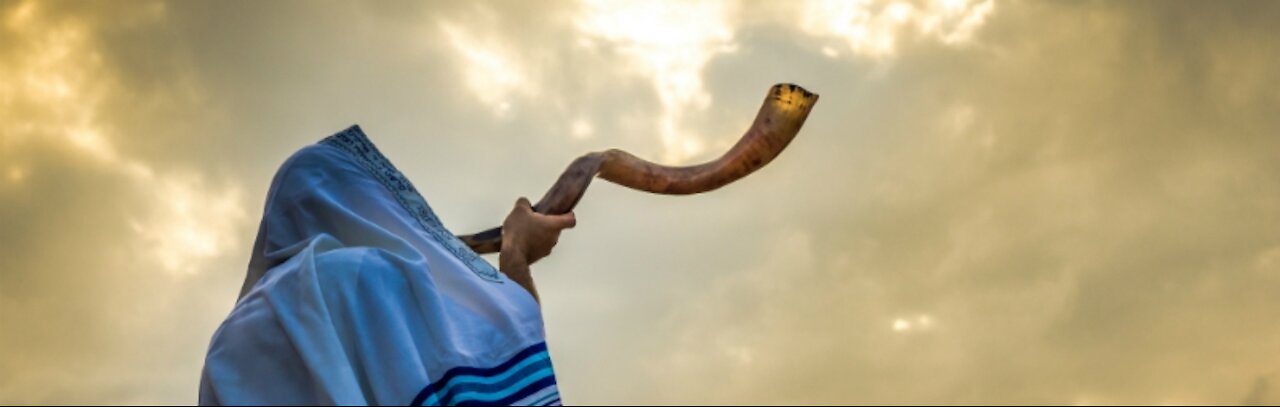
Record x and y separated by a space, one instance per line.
993 202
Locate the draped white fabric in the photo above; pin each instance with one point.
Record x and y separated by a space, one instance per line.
356 294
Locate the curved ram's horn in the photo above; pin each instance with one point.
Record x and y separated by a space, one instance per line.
780 118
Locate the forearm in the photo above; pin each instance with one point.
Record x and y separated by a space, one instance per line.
513 263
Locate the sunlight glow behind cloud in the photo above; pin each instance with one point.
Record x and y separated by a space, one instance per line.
921 323
670 43
492 73
189 223
876 28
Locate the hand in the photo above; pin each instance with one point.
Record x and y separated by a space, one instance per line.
530 236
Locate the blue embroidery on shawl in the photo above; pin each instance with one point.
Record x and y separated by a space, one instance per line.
353 141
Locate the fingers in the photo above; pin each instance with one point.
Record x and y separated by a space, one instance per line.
565 221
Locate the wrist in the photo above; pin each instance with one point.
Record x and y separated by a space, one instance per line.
513 263
511 255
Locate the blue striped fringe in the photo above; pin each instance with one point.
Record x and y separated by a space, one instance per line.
525 375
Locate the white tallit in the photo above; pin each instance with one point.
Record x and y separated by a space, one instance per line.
356 294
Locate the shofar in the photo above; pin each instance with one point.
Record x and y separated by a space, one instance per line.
784 111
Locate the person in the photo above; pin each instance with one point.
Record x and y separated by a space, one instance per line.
356 293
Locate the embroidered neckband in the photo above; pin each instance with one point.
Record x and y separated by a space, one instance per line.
354 142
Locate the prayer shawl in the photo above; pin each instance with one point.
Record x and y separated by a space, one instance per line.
357 294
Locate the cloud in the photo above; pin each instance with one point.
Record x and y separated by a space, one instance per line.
190 223
60 99
82 288
1019 203
1068 228
876 28
670 43
491 72
1259 393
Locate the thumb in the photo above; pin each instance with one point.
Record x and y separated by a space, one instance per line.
523 204
565 221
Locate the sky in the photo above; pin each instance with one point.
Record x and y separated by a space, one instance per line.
993 202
